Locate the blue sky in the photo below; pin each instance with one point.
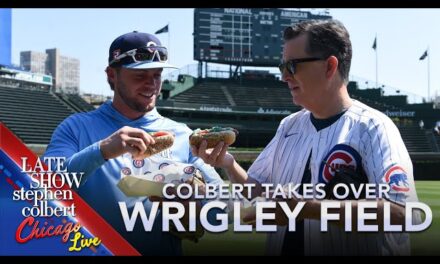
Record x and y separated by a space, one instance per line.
403 35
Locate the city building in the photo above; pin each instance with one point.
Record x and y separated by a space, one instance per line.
64 70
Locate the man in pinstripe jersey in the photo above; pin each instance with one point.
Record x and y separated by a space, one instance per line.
332 131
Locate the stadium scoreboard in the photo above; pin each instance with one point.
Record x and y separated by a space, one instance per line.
243 36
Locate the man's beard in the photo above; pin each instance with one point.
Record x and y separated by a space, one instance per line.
138 107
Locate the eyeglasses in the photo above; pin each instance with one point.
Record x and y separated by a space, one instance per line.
150 53
290 65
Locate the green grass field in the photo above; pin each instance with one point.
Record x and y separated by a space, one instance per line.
230 243
428 241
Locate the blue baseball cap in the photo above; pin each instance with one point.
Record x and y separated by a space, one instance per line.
137 50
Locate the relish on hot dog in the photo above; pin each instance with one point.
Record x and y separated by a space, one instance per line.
213 136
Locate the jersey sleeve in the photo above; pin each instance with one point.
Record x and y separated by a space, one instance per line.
261 169
387 161
64 143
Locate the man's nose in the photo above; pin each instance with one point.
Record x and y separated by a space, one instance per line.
149 81
285 76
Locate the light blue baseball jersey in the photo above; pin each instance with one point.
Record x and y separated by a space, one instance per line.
77 138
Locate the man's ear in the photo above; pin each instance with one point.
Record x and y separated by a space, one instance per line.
332 67
111 74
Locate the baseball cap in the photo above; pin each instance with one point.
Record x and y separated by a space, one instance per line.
137 50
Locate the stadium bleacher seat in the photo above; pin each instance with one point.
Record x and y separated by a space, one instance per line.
273 93
31 114
267 93
75 102
415 139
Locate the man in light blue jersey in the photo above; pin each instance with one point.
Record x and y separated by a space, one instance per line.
332 132
104 142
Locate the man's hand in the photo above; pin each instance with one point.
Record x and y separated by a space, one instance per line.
216 157
126 139
220 158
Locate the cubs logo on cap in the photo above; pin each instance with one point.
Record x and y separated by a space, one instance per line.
340 155
397 178
138 50
116 53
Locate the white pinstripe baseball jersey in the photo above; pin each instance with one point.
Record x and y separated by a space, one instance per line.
362 138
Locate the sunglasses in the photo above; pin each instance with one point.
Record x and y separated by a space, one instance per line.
152 53
290 65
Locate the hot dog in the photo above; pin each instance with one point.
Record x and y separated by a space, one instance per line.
213 136
163 140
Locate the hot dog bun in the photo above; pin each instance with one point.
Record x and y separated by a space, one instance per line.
213 136
163 139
